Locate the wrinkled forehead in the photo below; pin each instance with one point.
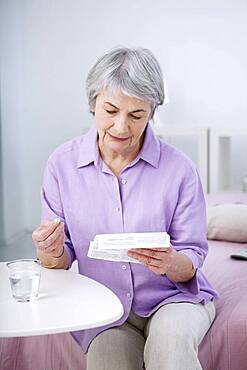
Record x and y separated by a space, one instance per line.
120 98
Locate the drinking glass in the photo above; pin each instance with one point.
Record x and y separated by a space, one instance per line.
24 276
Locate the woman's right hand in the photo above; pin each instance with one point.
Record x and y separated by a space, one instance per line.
49 238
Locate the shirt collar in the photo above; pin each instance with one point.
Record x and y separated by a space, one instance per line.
150 151
89 151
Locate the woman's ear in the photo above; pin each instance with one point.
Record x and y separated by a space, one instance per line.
151 117
92 108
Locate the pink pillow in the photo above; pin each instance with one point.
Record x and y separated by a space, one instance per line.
228 222
226 197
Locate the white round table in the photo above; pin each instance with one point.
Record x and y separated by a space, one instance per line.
67 302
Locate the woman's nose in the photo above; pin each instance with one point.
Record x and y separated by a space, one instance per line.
120 124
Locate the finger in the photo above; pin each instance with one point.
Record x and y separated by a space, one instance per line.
151 262
142 257
136 256
51 241
164 250
158 251
146 253
53 249
56 248
45 230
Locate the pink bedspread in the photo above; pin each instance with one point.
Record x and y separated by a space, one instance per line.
43 352
225 345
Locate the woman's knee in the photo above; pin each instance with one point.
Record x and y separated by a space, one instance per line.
116 348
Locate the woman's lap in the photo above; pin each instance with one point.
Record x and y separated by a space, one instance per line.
153 339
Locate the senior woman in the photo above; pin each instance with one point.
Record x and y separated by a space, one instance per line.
119 177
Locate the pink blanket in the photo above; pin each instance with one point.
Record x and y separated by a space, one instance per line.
225 345
44 352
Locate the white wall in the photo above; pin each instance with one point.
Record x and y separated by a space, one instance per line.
2 228
11 194
51 44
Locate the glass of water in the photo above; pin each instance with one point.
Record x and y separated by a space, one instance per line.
24 276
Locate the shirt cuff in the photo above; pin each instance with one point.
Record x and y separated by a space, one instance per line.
191 286
70 255
192 256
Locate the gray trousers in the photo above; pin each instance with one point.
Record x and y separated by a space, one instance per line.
168 340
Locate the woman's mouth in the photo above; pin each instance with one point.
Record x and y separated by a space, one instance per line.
118 138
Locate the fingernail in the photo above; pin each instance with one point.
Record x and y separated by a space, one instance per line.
57 220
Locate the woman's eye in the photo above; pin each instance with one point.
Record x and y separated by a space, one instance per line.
135 117
110 111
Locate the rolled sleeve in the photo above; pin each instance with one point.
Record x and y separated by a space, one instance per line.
192 256
188 228
189 287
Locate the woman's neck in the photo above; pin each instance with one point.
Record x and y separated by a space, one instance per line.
117 161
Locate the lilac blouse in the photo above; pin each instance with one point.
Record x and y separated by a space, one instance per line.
159 191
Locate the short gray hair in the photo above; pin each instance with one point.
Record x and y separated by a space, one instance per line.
133 71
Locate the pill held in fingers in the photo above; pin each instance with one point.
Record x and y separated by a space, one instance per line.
57 220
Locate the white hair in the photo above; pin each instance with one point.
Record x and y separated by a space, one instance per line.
133 71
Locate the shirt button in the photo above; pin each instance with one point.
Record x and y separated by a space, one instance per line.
124 181
128 295
118 209
124 267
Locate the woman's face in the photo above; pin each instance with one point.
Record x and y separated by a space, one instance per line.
120 121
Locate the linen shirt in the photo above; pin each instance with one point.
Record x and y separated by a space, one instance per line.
159 190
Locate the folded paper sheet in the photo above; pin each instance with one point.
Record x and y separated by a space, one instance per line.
114 247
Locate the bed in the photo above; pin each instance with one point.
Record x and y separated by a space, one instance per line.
223 348
225 345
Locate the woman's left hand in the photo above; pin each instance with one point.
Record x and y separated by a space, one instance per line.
177 266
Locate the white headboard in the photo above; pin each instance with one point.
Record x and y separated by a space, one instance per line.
211 151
